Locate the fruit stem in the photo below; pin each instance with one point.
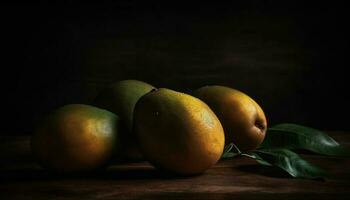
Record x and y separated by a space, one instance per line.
247 155
239 152
237 149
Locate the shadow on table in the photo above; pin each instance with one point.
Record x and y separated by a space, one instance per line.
238 195
38 174
262 170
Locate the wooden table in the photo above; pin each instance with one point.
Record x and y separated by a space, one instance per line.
238 178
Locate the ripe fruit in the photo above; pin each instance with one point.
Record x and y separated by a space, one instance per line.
75 138
120 98
243 119
177 132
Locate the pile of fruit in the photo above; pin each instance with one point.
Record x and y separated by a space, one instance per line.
133 121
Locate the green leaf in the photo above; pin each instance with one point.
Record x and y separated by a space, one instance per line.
289 162
228 155
293 136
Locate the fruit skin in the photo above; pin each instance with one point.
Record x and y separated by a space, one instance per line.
120 98
75 138
243 119
177 132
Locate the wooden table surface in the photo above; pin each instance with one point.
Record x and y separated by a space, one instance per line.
238 178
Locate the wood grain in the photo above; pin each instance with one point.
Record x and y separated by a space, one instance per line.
239 178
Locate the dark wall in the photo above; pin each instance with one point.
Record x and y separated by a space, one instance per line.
290 57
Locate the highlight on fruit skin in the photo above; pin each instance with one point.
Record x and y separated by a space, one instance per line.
243 120
178 133
120 98
75 138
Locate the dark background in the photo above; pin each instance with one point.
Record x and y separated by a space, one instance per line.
290 57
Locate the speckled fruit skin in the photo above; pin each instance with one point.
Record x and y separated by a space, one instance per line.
243 120
75 138
177 132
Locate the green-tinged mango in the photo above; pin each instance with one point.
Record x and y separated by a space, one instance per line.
120 98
